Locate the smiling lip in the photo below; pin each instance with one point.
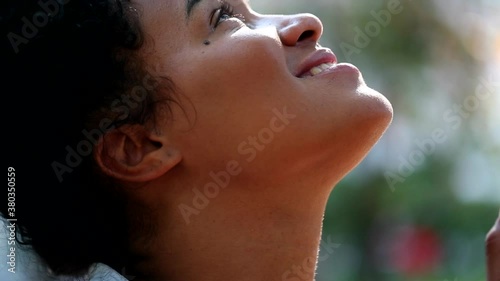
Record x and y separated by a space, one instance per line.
322 56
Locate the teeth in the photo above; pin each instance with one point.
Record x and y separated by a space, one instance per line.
316 70
320 68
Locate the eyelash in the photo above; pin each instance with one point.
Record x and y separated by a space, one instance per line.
226 11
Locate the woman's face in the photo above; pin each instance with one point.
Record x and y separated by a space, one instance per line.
254 89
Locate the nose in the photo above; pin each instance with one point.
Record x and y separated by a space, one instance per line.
298 29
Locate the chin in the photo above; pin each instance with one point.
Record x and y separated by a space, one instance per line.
375 116
378 106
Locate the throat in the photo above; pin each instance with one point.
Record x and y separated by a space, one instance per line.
256 245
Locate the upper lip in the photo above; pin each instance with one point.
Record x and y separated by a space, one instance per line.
315 59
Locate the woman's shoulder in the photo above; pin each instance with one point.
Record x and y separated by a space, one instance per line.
103 272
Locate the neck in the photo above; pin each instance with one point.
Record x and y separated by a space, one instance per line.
243 234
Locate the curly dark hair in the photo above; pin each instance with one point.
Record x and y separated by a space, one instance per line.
70 73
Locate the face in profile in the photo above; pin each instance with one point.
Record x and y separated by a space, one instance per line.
265 123
260 89
255 108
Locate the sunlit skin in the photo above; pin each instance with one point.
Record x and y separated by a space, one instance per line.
493 252
230 81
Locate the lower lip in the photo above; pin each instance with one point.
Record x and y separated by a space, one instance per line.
346 68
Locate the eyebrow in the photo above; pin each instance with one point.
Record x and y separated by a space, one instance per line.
192 3
190 6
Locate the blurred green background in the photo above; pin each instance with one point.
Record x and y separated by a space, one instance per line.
420 205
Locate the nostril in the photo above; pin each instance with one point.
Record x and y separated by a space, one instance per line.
301 28
306 35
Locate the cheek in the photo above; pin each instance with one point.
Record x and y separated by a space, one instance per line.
247 58
243 71
230 89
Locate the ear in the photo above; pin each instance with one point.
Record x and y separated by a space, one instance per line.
135 154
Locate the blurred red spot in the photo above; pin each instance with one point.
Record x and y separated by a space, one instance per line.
415 251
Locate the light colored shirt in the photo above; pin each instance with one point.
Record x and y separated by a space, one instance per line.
29 267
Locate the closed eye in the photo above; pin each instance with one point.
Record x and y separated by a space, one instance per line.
223 13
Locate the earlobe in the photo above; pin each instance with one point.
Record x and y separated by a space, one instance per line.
135 154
